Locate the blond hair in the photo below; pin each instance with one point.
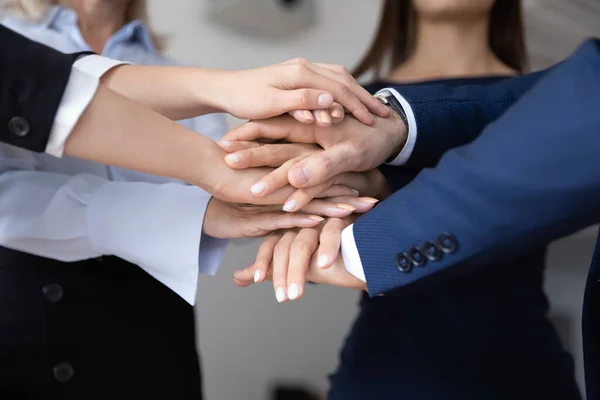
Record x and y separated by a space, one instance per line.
35 10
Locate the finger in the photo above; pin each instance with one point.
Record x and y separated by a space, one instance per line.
308 98
302 197
322 118
274 180
232 147
302 249
303 116
266 222
281 258
320 167
330 240
339 207
268 155
337 113
342 74
264 257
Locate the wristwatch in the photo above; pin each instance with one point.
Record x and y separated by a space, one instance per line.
392 102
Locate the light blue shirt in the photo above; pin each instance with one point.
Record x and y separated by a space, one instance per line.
70 210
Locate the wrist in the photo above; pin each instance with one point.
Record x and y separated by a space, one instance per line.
212 92
398 133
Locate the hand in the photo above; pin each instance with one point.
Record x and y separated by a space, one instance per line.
252 154
290 258
293 85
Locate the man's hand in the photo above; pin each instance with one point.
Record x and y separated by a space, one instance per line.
349 145
293 85
292 257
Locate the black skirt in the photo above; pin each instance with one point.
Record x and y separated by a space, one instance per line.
96 329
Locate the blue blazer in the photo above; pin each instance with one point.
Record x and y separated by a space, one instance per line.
520 168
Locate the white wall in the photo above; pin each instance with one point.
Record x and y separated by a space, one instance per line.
247 339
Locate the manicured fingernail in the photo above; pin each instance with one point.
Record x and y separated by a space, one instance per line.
322 261
258 188
289 206
336 113
233 158
300 175
256 276
325 100
293 291
368 200
308 115
346 207
356 192
280 294
225 143
325 117
316 218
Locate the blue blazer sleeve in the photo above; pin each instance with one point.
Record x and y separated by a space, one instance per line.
530 177
450 116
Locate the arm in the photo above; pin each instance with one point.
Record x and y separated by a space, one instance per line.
33 79
530 177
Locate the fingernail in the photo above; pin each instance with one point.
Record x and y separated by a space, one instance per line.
346 207
316 218
280 294
336 113
233 158
293 291
256 276
325 117
356 192
225 143
300 175
368 200
258 188
289 206
322 261
308 115
325 100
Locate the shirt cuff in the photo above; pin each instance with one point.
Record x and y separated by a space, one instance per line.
81 88
350 254
96 65
157 227
411 139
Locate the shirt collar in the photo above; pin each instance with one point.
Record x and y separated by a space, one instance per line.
64 19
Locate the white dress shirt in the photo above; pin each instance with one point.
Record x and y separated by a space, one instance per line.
70 210
349 250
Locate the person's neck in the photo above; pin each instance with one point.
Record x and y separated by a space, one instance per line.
98 20
446 49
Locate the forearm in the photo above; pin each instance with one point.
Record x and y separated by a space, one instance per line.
175 92
137 138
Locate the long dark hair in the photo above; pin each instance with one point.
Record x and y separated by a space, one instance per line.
397 30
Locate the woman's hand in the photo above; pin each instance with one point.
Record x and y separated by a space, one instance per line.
293 85
292 257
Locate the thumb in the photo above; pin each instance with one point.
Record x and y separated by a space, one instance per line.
303 99
318 168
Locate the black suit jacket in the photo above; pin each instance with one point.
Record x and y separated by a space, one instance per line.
33 78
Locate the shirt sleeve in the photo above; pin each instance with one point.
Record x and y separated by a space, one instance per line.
71 218
81 88
350 254
411 139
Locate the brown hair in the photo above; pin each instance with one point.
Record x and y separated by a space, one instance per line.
397 30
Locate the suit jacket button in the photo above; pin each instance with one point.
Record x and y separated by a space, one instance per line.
432 250
53 292
63 372
403 262
448 242
18 126
416 257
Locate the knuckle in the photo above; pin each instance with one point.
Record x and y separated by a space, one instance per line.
301 246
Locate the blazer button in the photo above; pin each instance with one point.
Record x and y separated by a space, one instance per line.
18 126
403 262
416 257
63 372
448 242
53 292
432 251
